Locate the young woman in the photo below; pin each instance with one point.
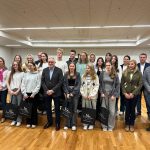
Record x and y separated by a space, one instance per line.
18 59
114 62
108 57
89 90
14 81
109 90
3 87
81 65
29 59
43 63
30 87
100 65
71 87
41 102
131 84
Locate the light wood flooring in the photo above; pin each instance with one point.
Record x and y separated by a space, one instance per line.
21 138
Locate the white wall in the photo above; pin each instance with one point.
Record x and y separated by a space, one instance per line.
120 52
6 53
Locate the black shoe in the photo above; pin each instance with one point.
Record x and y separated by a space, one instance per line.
57 127
47 125
148 129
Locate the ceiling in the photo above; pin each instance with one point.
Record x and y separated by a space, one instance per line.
75 23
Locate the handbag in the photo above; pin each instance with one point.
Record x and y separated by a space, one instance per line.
66 110
11 111
88 115
103 113
25 109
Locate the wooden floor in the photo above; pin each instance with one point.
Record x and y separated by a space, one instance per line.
21 138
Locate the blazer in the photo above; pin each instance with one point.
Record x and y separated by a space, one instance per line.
55 83
76 89
146 65
146 79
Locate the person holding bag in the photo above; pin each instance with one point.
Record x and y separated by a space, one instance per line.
109 90
131 83
30 87
14 81
89 91
71 87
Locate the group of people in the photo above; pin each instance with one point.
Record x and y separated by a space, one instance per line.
83 82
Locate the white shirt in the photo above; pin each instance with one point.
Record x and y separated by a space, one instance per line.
142 68
121 71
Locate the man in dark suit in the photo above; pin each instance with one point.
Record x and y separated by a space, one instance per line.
52 78
142 66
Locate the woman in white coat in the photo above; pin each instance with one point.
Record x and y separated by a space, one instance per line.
89 90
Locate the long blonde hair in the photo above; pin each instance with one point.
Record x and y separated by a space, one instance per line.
92 71
127 70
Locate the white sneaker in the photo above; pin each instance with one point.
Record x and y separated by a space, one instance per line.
39 111
18 124
44 112
33 126
104 129
90 127
85 127
13 123
65 128
74 128
121 113
28 125
110 130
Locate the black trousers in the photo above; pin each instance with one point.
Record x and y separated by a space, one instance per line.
48 102
130 111
34 117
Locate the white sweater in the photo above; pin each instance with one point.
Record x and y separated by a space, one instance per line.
31 83
16 80
62 65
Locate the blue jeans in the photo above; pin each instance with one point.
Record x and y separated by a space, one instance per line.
3 96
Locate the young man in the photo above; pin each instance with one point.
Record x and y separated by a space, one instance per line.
72 57
142 66
59 61
146 83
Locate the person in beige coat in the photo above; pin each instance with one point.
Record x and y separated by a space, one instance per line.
89 90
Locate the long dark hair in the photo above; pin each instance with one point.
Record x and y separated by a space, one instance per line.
103 63
41 61
13 71
116 63
4 68
113 72
68 72
106 56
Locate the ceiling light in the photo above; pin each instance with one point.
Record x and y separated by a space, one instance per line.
12 45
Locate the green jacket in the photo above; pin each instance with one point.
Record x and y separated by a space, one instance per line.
133 85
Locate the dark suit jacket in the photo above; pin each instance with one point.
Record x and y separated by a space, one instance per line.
55 83
146 65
